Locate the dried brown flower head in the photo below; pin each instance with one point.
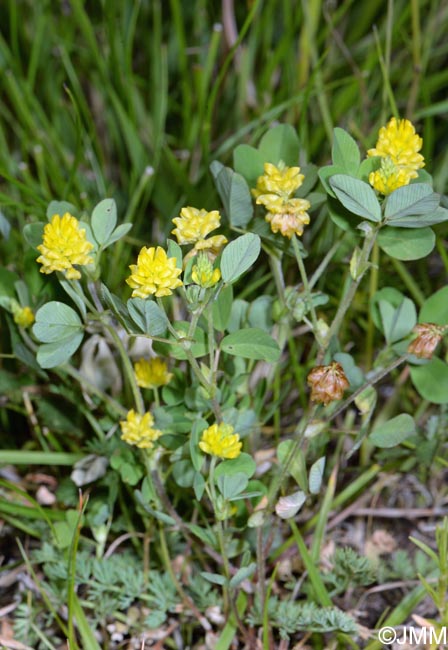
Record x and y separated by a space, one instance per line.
428 338
328 383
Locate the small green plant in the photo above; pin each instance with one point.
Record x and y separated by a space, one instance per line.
440 558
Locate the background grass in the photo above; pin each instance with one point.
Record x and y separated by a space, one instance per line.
135 98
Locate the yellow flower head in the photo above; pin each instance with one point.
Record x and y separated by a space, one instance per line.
220 440
194 225
389 177
23 316
64 244
399 146
152 373
212 245
138 430
154 274
280 180
288 217
204 274
275 189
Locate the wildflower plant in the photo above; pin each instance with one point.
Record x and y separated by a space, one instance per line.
213 349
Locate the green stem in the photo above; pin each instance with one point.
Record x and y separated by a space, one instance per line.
220 531
325 262
128 370
283 324
190 358
409 281
188 603
71 595
194 323
373 286
374 380
211 342
261 567
277 272
280 476
347 299
79 290
91 388
306 286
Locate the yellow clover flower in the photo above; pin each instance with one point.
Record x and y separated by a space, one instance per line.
203 273
152 373
389 177
220 440
64 244
23 316
154 274
138 430
286 217
281 180
398 145
193 226
275 189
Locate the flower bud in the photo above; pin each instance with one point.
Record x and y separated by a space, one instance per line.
203 273
23 316
428 338
328 383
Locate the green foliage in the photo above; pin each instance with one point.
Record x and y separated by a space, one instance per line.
289 617
251 343
431 381
415 200
123 131
407 245
280 144
348 569
234 194
358 197
435 308
239 256
345 152
393 313
393 432
148 316
440 558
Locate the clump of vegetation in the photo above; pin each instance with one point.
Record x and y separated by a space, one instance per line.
212 400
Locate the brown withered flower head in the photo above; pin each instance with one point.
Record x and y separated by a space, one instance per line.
428 338
328 383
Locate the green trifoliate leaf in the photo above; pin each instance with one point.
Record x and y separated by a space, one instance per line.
251 343
393 432
408 244
238 257
358 197
104 220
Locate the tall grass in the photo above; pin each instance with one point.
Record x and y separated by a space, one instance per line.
134 99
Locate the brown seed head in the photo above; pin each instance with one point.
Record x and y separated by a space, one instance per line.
428 338
328 383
